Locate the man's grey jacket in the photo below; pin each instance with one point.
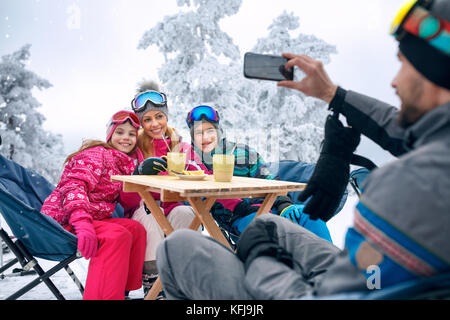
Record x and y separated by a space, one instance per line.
402 222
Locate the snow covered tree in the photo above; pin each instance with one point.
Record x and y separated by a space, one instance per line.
300 119
23 138
192 44
204 66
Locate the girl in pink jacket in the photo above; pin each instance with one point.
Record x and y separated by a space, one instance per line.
84 200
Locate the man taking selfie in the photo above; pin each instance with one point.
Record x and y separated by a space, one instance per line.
401 227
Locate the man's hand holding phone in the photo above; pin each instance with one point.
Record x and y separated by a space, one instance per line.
266 67
316 83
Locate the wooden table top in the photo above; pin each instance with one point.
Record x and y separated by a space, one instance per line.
209 187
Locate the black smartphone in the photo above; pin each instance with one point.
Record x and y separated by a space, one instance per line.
266 67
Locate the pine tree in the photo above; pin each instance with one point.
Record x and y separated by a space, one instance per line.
204 66
23 138
300 119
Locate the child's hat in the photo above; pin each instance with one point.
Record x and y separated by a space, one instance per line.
120 117
149 98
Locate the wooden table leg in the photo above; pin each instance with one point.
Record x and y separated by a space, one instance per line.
206 206
156 212
202 210
154 290
196 222
267 204
166 228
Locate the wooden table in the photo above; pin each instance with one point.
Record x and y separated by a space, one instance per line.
201 195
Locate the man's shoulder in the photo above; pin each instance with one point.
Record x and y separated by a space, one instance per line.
409 187
414 170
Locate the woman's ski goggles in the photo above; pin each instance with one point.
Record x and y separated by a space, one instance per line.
202 112
418 21
122 116
155 97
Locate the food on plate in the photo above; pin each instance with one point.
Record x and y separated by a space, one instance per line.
193 173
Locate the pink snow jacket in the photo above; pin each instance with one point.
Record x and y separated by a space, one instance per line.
86 189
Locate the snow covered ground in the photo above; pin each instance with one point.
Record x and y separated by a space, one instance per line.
10 284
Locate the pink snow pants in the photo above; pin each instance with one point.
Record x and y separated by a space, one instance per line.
118 265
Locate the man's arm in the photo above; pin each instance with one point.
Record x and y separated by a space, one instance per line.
373 118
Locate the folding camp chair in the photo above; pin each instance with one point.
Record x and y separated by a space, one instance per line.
22 193
357 178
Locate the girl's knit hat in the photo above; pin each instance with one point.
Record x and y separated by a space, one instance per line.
120 117
149 85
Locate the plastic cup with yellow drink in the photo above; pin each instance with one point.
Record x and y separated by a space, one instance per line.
223 167
176 161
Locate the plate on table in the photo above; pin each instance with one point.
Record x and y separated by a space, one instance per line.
192 177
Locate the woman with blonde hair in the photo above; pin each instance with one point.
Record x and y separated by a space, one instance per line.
151 104
156 138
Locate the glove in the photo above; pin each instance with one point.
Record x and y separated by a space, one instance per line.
331 174
243 209
292 213
260 239
87 238
281 203
151 166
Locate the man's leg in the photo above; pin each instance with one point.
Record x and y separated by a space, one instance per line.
311 253
268 278
193 266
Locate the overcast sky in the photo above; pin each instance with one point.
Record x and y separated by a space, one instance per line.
88 50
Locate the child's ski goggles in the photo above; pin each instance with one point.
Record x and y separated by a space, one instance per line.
155 97
415 19
122 116
202 112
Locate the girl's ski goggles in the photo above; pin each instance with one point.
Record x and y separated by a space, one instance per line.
415 19
122 116
202 112
155 97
